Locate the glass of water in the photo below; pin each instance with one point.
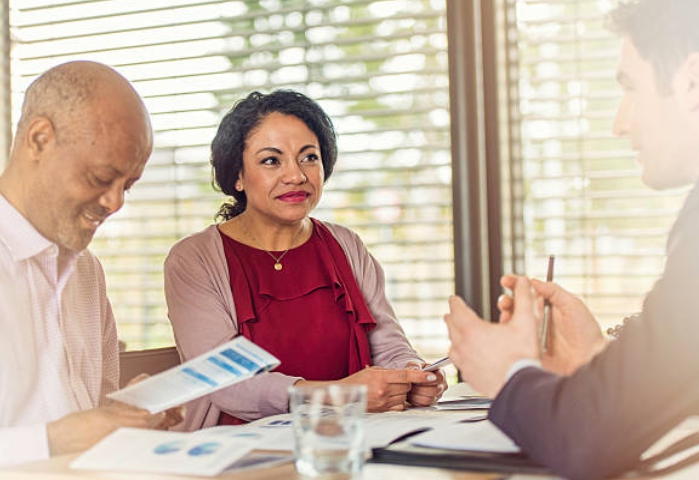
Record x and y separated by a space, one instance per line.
328 424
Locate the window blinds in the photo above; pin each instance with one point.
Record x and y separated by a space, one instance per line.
582 195
379 68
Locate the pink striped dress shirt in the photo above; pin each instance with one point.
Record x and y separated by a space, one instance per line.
58 339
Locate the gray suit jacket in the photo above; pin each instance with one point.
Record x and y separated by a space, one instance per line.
597 422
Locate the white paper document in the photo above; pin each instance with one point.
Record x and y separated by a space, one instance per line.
463 397
138 450
473 402
383 428
276 432
232 362
480 437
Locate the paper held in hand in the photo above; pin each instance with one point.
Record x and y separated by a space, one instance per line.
232 362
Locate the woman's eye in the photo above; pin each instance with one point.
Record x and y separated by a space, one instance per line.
311 157
269 161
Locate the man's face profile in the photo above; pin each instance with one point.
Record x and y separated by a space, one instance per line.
659 126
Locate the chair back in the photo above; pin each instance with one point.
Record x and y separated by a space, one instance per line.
150 361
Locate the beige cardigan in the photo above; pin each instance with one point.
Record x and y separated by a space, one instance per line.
202 312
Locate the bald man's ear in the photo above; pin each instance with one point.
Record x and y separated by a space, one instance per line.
38 136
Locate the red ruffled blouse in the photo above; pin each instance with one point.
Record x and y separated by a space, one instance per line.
311 314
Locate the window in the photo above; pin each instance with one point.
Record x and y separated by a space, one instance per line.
378 67
576 187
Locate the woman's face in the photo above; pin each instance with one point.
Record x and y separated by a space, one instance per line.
282 173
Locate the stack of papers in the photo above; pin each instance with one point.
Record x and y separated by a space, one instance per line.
197 453
466 402
478 437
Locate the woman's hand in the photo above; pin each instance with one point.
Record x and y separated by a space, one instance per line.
389 390
426 394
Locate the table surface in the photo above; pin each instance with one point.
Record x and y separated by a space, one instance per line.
58 468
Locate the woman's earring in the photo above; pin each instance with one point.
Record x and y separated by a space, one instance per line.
239 186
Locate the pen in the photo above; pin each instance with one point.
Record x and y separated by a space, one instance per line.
544 340
442 362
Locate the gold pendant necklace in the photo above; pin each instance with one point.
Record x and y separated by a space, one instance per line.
277 260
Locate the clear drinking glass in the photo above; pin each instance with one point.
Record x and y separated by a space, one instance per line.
328 424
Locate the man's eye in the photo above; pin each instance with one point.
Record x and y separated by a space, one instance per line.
100 182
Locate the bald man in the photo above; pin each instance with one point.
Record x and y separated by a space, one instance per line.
83 139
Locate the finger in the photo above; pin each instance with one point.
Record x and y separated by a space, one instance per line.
505 305
174 416
505 302
524 300
409 376
158 420
462 322
508 281
460 312
138 378
394 389
386 402
421 400
426 391
457 305
125 410
548 290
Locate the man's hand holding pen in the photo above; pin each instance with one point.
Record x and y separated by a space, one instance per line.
574 336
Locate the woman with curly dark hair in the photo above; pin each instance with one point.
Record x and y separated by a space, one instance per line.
307 291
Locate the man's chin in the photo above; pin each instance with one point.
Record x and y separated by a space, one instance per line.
663 180
78 242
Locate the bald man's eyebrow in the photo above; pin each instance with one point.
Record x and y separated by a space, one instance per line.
110 168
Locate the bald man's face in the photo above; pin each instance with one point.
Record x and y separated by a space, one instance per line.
86 169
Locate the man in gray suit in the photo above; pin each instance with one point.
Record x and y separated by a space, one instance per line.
588 408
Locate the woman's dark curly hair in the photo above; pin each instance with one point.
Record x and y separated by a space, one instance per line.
240 122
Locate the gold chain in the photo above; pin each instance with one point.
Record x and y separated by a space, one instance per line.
277 260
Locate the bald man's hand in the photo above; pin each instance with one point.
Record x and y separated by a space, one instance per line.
81 430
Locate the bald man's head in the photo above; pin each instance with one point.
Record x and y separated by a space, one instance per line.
83 139
66 92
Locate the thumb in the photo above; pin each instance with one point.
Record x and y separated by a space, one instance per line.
418 376
459 312
138 378
550 291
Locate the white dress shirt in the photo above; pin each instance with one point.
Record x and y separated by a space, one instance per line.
58 341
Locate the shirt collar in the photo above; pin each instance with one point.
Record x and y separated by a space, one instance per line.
19 236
